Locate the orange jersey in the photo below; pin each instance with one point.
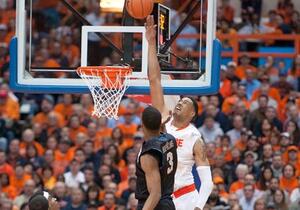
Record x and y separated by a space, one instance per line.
19 183
38 146
6 169
288 184
235 186
10 109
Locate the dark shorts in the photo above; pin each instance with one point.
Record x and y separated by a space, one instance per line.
163 204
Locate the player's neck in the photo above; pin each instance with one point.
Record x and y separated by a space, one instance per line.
179 123
149 135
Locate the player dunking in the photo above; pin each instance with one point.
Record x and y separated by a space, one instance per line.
156 165
191 148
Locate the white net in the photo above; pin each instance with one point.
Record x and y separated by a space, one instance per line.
107 85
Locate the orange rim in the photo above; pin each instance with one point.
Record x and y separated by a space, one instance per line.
110 71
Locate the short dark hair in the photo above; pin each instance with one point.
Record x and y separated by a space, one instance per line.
38 202
151 118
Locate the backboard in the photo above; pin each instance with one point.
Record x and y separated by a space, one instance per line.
52 41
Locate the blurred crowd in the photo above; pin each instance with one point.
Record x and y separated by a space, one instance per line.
52 142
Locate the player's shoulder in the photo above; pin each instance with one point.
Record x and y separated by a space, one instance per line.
193 131
153 144
164 137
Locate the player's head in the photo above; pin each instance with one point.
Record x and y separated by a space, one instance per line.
38 202
186 108
151 119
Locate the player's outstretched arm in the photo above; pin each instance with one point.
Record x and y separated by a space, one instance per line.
154 76
150 167
203 169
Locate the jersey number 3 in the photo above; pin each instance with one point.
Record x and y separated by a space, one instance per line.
170 161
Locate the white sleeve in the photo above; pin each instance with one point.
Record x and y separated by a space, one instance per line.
206 185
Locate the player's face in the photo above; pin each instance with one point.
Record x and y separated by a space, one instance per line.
184 108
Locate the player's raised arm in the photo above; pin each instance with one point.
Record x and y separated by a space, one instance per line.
154 76
204 172
150 167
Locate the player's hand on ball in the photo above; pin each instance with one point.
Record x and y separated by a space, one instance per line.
150 30
197 208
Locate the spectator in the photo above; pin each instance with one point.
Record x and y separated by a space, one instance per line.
233 200
8 190
226 11
250 180
47 106
248 200
76 202
259 204
258 114
6 204
235 133
219 182
293 129
240 95
269 193
65 107
288 179
93 193
214 200
4 166
224 148
132 202
210 130
241 171
20 178
28 191
48 178
131 189
28 138
221 164
250 82
271 115
60 193
89 177
109 201
241 144
293 115
267 154
74 177
75 127
295 195
277 165
217 114
294 205
280 200
265 178
283 85
9 108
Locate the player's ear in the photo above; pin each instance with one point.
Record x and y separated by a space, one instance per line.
142 126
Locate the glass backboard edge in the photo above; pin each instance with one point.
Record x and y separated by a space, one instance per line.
19 87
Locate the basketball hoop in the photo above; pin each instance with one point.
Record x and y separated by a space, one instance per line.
107 85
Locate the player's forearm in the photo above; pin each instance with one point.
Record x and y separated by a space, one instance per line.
206 185
154 67
154 76
152 201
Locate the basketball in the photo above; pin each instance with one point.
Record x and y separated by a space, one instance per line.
139 9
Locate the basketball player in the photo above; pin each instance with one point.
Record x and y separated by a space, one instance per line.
156 165
190 145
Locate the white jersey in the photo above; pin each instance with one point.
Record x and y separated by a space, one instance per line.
186 138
